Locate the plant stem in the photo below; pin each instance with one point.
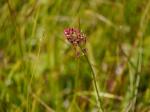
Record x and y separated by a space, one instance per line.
94 81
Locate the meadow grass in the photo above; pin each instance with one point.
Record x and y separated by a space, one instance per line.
39 70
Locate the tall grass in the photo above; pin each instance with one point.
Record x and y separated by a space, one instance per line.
37 76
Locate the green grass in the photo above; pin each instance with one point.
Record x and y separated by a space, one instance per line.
39 71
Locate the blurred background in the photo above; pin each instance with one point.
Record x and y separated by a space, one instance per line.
39 71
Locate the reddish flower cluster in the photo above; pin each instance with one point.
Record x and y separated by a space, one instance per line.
75 36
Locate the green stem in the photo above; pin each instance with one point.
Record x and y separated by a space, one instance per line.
94 81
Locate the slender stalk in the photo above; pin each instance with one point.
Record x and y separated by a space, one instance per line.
94 81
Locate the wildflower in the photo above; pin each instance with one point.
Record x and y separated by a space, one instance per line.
76 38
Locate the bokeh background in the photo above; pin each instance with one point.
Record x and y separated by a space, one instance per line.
39 71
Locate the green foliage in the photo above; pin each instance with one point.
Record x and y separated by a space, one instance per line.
39 70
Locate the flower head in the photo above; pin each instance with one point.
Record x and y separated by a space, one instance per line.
75 36
77 39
